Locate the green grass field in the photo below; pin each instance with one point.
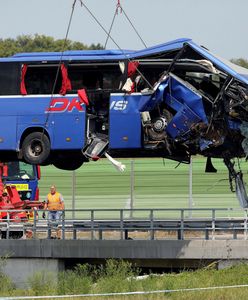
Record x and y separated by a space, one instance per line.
157 184
120 277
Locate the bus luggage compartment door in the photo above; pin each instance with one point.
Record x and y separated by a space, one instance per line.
67 121
124 121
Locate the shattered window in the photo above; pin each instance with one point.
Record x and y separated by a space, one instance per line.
207 83
152 72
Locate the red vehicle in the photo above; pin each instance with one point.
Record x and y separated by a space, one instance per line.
10 201
25 178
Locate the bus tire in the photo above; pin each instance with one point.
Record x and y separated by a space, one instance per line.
36 148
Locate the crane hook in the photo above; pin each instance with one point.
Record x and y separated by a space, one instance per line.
118 7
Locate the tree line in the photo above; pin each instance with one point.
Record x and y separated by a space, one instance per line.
40 43
241 62
43 43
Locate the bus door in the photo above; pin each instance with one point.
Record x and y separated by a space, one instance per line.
125 128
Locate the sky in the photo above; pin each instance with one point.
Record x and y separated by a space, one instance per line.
219 25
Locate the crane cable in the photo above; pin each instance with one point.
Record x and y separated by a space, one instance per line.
111 38
60 62
112 23
120 8
134 27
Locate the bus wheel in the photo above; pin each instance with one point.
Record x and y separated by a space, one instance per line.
36 148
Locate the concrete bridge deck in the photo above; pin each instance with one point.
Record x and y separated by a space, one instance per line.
28 256
150 242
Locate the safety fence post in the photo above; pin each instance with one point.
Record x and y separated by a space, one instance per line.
190 187
121 224
131 189
8 224
73 194
151 224
245 224
92 223
181 230
35 224
213 224
63 225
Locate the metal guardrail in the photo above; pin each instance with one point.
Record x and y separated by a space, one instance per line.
152 224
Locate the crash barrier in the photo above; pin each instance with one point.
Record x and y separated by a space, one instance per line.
152 224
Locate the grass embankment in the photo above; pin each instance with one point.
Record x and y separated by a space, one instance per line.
156 185
151 176
121 277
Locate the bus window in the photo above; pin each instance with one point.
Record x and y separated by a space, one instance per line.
40 79
95 76
9 78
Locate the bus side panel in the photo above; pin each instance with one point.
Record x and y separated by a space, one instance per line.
8 123
62 117
69 131
124 122
30 111
8 132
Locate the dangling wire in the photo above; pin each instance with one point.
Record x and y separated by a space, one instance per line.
110 37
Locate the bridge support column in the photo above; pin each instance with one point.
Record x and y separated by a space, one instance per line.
21 269
227 263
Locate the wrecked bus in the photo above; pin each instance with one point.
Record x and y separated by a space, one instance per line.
172 100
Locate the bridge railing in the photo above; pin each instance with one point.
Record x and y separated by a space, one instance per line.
151 224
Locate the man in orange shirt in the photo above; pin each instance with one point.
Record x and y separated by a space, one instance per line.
55 206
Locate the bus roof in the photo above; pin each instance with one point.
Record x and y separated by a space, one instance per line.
116 55
85 55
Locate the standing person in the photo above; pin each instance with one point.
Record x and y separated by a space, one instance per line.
55 206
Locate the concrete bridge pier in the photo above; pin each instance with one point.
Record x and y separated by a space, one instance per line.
21 270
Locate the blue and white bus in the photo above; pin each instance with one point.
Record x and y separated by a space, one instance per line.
173 100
